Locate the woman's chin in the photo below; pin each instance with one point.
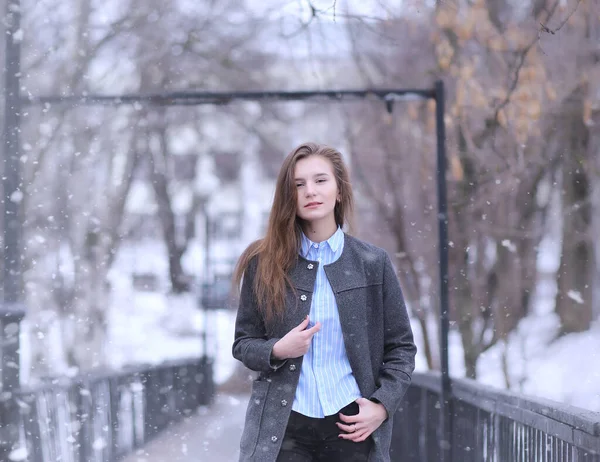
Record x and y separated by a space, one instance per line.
313 215
313 218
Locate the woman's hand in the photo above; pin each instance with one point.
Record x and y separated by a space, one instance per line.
296 342
359 427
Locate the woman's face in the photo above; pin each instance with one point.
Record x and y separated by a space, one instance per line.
317 189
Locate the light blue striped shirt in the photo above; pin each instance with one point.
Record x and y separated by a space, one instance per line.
326 382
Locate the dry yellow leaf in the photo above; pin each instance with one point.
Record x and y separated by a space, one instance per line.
430 123
444 62
456 168
445 53
502 119
431 106
497 43
522 95
534 108
446 17
467 71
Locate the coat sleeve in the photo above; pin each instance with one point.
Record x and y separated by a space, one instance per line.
251 345
399 348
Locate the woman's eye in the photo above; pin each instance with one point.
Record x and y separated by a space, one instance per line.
322 180
299 184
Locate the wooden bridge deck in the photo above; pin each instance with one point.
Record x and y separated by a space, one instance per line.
212 434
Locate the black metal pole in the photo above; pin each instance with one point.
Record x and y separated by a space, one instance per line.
445 399
11 309
192 97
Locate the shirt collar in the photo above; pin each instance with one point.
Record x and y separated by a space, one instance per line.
334 242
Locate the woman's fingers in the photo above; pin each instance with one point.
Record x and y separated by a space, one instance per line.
361 437
297 341
357 436
349 419
300 327
356 432
314 329
355 428
348 428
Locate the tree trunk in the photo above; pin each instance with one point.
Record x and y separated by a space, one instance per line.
412 293
160 183
505 368
461 289
576 270
87 325
471 350
466 317
508 309
463 303
94 244
594 172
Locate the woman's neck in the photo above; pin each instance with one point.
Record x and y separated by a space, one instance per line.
318 231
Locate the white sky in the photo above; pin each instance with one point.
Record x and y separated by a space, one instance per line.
329 10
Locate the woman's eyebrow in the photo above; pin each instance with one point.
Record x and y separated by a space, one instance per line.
314 176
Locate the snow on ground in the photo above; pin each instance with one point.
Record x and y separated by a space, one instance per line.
540 362
150 327
565 369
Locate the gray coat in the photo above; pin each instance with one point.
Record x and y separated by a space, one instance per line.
377 336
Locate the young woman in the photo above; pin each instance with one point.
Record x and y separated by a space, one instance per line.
322 318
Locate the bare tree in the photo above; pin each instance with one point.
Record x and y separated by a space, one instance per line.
87 156
578 261
494 62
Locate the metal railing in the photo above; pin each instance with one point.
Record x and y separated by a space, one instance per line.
100 417
491 426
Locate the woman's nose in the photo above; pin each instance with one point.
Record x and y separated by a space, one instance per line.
309 189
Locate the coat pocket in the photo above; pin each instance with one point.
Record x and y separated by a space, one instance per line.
254 414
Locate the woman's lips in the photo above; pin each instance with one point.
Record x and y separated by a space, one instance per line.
312 205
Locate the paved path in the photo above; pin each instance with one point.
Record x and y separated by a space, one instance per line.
211 435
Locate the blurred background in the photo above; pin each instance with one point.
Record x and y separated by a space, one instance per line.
133 215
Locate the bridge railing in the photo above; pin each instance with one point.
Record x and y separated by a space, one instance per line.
492 426
100 417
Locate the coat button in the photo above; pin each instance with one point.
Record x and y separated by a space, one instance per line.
310 266
284 402
303 297
274 439
292 367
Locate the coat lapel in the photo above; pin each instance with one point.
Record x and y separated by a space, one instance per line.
348 281
344 274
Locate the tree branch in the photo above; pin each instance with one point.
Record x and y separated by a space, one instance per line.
546 29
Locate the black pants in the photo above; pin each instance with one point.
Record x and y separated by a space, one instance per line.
310 440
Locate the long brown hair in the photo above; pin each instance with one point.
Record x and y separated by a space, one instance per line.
278 250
